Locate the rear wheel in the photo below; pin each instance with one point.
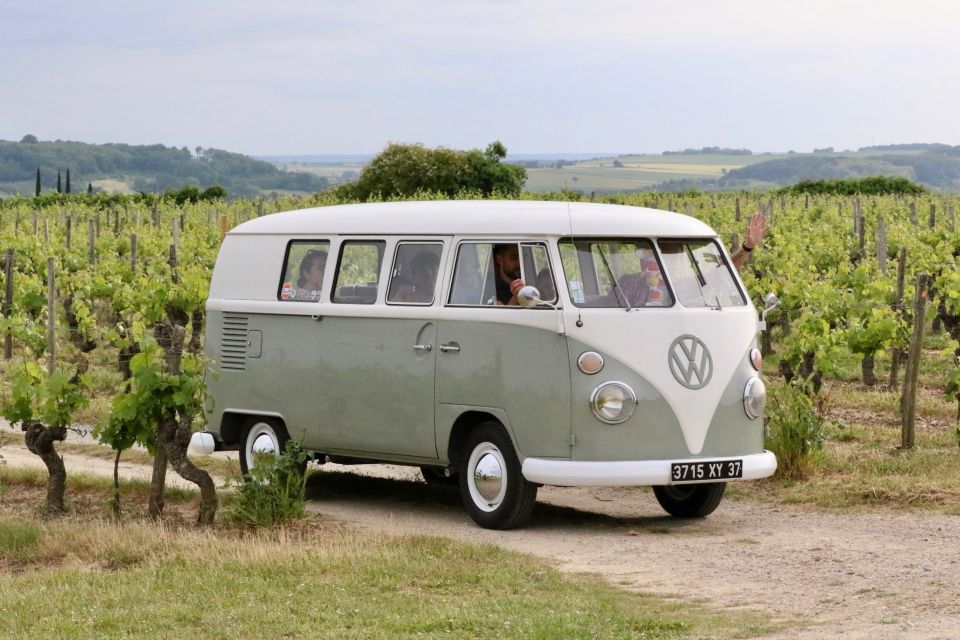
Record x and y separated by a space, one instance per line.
690 500
492 487
263 439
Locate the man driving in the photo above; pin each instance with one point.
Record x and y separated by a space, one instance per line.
507 275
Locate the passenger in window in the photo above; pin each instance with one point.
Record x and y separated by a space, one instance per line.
506 263
635 287
423 271
311 276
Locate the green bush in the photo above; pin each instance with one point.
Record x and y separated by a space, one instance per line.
796 430
273 491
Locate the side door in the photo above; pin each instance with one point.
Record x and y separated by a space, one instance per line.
501 358
377 346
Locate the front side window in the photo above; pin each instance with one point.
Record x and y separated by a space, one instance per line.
489 274
613 273
699 274
303 269
413 278
358 272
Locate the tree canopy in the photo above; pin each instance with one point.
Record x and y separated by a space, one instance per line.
402 170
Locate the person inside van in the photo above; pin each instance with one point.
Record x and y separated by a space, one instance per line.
311 276
423 272
506 269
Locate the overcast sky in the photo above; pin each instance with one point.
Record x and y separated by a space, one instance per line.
301 77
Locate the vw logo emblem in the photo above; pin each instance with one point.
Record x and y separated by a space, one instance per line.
690 362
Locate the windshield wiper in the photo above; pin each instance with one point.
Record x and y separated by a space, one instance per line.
616 283
700 278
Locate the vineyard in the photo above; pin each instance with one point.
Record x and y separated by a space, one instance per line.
103 316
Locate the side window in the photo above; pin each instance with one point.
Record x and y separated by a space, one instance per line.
473 282
358 272
613 273
303 269
413 278
485 272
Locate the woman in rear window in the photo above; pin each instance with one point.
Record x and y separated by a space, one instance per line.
311 276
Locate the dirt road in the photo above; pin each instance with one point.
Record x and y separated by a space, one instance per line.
859 576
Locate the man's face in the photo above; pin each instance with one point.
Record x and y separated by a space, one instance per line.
508 263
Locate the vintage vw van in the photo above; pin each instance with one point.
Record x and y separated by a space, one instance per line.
504 345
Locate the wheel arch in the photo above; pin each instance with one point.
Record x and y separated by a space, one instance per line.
466 422
232 423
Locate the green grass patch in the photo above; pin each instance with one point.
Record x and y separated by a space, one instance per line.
18 541
148 582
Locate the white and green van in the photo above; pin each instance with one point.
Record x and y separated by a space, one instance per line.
397 332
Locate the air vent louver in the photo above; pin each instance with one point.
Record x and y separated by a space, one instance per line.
233 342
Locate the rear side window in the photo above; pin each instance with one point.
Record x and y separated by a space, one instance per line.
303 270
358 272
413 278
699 274
614 273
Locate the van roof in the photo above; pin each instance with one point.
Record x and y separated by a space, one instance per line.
483 217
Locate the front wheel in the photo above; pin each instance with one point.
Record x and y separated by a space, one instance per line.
690 500
493 489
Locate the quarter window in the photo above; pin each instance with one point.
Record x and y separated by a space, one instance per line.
358 272
413 278
303 270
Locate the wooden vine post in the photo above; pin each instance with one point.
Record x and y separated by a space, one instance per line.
908 401
51 317
8 304
897 356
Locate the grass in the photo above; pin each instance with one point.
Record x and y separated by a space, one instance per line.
310 579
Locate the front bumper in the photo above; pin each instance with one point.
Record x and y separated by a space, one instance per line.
624 473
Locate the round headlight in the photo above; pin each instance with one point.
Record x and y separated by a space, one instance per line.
754 398
756 359
590 362
613 402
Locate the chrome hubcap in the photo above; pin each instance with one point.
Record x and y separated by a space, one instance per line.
488 476
262 445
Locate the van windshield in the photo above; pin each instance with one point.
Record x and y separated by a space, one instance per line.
614 273
699 274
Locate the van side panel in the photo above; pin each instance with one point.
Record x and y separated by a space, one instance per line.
522 370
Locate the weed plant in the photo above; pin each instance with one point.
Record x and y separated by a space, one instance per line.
273 492
796 430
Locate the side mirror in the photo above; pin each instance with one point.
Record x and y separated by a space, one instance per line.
770 302
529 297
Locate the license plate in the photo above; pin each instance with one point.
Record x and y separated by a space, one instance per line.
706 471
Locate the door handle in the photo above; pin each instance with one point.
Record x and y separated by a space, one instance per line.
423 347
451 347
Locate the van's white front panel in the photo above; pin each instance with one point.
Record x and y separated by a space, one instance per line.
641 340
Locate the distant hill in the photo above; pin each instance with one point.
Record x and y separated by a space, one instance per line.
150 168
938 167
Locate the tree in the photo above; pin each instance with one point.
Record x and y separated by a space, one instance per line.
29 139
402 170
59 185
90 187
37 189
68 180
